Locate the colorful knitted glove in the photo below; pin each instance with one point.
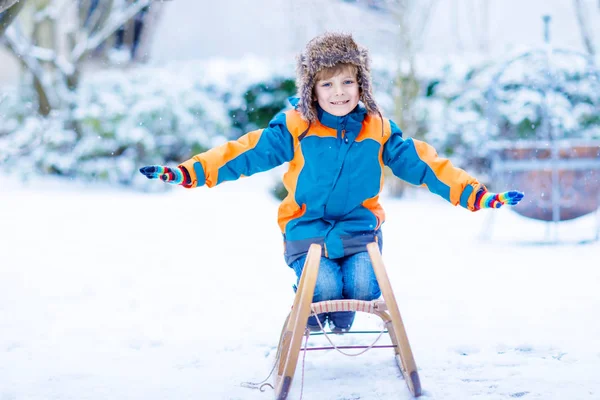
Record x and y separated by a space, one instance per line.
485 199
175 176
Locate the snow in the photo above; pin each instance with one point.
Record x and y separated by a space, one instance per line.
106 293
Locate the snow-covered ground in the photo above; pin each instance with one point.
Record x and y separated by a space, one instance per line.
108 294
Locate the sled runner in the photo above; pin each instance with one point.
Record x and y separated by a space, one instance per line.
294 329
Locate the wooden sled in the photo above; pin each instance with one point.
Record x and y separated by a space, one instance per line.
295 325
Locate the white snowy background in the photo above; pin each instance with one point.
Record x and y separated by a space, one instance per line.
109 294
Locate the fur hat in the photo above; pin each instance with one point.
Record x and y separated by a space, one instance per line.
326 51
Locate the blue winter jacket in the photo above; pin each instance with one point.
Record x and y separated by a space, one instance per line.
334 177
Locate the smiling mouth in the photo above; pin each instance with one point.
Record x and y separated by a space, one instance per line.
339 103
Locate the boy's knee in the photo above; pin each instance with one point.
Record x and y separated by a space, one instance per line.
327 289
360 282
329 280
363 290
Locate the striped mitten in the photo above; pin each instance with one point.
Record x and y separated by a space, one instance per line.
175 176
485 199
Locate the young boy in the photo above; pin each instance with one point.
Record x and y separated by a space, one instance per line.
337 149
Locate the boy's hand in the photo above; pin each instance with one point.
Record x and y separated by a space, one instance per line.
487 199
175 176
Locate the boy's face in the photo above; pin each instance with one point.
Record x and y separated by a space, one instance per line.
339 94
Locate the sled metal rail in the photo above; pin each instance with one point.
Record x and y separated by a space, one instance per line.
377 346
349 332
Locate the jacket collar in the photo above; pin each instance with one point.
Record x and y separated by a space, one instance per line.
351 122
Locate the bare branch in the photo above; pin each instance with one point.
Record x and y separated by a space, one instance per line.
428 10
21 49
9 15
6 4
116 19
27 52
584 28
48 12
62 7
412 18
92 20
100 16
150 20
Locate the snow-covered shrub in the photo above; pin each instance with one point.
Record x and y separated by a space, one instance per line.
261 102
457 122
152 116
559 89
531 97
122 120
20 128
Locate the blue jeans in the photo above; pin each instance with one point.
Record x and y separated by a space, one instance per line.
350 277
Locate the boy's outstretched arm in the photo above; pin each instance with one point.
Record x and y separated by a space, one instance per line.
419 164
254 152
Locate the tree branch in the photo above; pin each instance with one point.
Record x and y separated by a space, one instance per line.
91 21
31 54
48 12
428 10
21 49
8 16
6 4
584 28
31 64
116 19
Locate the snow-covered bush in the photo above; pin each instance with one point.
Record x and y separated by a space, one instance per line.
457 106
150 116
559 89
534 96
122 120
261 102
20 128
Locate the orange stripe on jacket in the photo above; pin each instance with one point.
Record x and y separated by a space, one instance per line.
320 130
289 209
446 172
374 133
213 159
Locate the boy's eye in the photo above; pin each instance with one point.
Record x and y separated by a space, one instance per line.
348 82
326 84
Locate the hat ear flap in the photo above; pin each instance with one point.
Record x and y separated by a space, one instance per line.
364 58
302 62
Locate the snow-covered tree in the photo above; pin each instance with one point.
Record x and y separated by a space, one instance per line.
61 34
411 17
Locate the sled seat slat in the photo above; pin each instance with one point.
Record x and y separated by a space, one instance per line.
371 307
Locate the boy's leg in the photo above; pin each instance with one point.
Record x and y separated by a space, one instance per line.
359 283
328 285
